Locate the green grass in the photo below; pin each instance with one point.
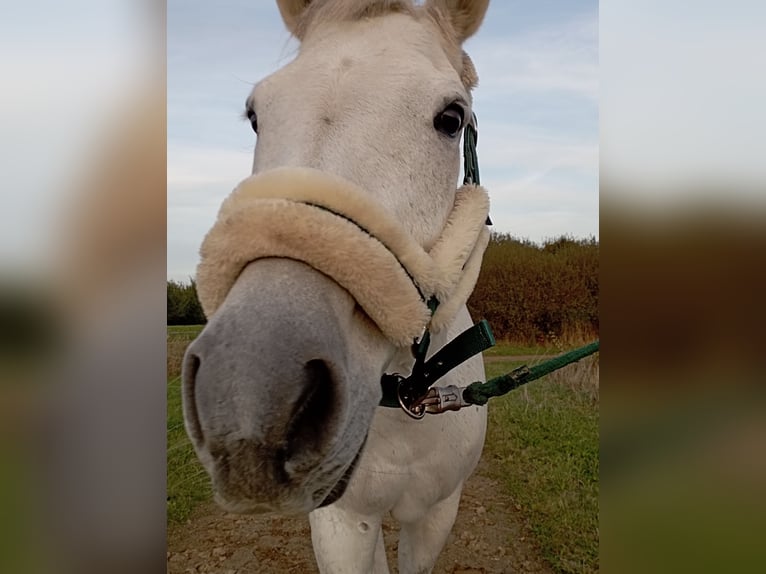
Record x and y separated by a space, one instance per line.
188 330
542 444
506 348
178 339
187 482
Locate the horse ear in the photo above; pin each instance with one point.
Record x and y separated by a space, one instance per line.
465 15
291 11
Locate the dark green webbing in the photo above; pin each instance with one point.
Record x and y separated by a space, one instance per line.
479 393
470 342
470 157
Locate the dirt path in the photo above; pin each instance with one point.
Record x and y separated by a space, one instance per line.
487 539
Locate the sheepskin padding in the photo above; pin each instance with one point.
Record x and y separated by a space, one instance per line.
332 225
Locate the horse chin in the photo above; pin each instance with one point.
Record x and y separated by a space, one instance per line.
296 501
244 506
290 504
340 487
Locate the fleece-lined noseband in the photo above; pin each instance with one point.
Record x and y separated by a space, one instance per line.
335 227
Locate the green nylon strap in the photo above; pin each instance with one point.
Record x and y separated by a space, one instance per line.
420 348
389 383
470 342
471 156
479 393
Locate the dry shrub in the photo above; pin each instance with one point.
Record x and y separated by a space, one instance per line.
535 294
176 349
581 377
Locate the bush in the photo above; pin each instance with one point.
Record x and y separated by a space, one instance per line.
183 305
533 293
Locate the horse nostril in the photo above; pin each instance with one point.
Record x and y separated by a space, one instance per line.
312 419
189 370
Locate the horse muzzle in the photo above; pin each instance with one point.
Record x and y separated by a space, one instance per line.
267 393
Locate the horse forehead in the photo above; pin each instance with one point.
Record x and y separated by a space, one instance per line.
396 45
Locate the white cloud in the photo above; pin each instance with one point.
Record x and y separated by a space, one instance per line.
533 208
199 178
509 145
538 142
558 58
194 166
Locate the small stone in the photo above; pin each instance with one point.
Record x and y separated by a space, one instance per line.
269 541
240 558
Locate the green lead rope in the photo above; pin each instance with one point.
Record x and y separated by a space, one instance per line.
479 393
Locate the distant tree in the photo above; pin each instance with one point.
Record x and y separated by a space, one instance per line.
183 306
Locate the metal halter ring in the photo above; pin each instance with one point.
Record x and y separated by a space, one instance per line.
411 405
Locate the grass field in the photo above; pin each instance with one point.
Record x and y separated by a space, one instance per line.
187 483
542 445
189 331
505 349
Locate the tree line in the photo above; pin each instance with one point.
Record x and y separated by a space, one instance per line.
530 293
184 307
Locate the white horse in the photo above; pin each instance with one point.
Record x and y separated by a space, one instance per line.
281 388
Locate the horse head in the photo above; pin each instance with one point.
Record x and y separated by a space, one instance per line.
281 386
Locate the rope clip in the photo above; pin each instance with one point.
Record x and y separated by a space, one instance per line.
436 401
443 399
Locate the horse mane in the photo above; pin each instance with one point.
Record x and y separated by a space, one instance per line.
329 11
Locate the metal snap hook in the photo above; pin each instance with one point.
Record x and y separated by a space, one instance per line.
411 404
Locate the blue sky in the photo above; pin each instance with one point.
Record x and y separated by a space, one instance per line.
537 104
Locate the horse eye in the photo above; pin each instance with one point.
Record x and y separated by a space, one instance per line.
450 120
253 119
